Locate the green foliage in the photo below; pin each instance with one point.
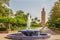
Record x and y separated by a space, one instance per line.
57 24
21 18
58 21
5 1
54 20
3 29
16 23
12 21
34 22
3 20
36 18
35 25
15 28
55 12
4 11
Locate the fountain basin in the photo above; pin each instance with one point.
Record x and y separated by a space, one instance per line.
23 37
30 32
28 35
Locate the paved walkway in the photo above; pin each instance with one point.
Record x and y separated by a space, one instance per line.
47 30
54 35
3 35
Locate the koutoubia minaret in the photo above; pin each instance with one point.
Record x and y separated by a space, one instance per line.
43 17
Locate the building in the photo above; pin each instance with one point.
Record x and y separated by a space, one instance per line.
5 1
43 17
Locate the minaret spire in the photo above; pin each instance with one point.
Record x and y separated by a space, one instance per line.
43 17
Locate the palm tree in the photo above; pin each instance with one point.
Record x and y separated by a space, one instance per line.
36 18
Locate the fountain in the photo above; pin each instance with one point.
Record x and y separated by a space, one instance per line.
28 34
29 31
28 23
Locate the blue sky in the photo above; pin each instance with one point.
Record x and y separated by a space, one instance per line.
34 7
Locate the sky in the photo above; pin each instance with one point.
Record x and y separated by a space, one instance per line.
34 7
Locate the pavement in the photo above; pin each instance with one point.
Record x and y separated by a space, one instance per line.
54 35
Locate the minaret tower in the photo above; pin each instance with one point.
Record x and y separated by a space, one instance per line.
43 17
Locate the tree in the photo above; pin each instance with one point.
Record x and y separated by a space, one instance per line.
54 15
22 17
55 12
36 18
5 1
4 11
4 14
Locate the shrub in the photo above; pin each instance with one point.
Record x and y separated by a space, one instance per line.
35 25
54 25
3 29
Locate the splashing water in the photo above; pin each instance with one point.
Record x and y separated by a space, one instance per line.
29 23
